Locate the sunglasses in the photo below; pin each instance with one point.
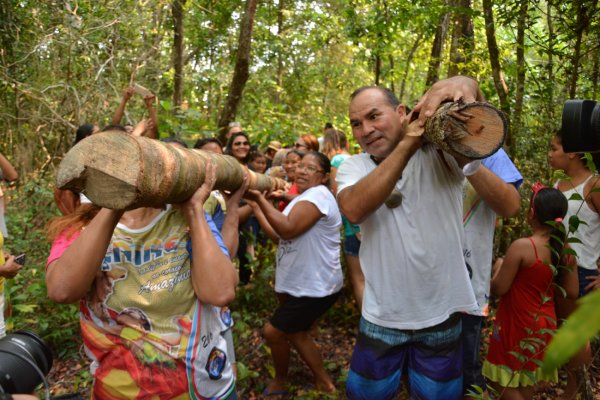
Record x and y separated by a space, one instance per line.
241 143
298 145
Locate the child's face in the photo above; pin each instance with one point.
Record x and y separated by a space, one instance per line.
259 165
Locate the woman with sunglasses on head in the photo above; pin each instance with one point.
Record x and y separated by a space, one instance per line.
307 142
525 280
308 275
238 146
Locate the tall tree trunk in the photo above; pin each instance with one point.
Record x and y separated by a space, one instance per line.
595 74
490 33
409 58
392 73
279 77
520 93
433 73
463 43
584 10
178 48
377 69
550 64
241 71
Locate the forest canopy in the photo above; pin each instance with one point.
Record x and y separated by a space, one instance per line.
66 63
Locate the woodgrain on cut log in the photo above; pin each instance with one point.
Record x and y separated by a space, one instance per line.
481 135
120 171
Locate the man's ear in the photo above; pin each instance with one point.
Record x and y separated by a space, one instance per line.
401 110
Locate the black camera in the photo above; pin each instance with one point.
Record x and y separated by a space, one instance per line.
581 128
25 360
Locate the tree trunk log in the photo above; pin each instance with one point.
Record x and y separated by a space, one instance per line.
478 137
123 172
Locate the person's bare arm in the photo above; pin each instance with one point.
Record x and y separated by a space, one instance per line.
9 172
500 196
302 217
263 222
230 231
152 116
570 278
506 269
593 282
10 268
214 277
360 200
70 277
120 111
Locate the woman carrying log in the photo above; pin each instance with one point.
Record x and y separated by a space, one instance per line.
308 274
151 283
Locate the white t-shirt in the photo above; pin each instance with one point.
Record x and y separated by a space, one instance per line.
479 221
411 255
589 233
309 265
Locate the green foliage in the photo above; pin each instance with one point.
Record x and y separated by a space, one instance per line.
29 209
579 328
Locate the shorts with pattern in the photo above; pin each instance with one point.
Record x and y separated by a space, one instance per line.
431 357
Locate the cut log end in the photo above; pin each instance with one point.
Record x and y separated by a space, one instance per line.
110 192
477 136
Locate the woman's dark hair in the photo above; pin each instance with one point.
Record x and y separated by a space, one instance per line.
200 143
254 154
173 139
548 205
296 152
228 147
321 159
108 128
559 135
82 132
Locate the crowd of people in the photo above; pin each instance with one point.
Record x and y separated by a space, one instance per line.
413 225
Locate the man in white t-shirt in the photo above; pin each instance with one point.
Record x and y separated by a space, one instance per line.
479 220
407 197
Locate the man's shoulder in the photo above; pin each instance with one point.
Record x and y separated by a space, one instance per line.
357 160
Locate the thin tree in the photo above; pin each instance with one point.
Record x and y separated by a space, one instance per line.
241 71
492 44
520 92
178 49
437 48
585 9
463 43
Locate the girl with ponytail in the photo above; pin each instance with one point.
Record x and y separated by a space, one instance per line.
526 281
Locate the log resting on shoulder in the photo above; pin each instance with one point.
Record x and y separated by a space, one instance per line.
472 130
122 172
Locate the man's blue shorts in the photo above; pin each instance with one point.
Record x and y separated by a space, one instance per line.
432 358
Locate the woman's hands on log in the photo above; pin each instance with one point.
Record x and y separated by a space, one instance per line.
214 277
196 201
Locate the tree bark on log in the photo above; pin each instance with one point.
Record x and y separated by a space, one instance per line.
479 136
122 172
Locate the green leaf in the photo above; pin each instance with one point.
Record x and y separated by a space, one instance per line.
575 196
580 327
